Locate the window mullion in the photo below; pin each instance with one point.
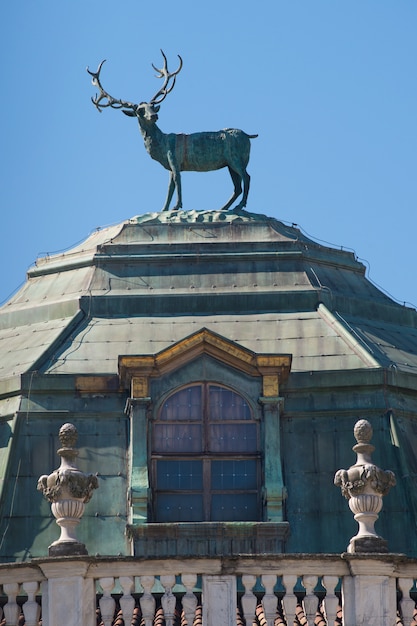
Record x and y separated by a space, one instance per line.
206 419
207 489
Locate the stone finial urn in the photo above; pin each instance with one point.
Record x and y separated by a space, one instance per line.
68 489
363 485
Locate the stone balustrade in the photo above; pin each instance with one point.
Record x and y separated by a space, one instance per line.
20 585
366 586
71 590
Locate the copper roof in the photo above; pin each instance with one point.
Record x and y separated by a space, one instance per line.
142 286
103 292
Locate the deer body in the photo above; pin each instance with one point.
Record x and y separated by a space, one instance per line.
199 152
190 151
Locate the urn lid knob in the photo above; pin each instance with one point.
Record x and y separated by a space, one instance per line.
363 431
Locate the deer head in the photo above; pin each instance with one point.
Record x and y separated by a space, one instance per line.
147 111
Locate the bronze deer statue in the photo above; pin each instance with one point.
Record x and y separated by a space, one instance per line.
198 152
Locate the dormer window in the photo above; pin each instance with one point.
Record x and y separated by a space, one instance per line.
204 436
205 457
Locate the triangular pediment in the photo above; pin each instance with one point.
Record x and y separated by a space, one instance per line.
204 341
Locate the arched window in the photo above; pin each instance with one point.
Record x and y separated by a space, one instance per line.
205 457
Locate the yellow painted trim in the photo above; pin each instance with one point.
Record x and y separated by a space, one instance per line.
96 384
135 371
139 387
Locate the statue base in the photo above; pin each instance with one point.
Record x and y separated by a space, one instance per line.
359 545
67 548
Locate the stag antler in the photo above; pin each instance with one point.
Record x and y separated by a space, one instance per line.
111 102
167 76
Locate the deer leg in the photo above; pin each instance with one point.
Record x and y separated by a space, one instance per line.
175 181
171 188
237 181
246 184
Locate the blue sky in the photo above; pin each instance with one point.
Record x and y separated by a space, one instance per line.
329 85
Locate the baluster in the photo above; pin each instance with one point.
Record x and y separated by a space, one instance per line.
270 600
107 603
31 609
331 601
11 609
189 600
310 602
147 601
249 599
290 600
407 604
127 601
168 600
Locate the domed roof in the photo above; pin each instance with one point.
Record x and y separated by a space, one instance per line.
144 291
139 286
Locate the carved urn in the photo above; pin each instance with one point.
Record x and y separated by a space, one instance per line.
363 485
68 489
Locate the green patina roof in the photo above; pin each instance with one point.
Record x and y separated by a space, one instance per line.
179 268
142 285
266 333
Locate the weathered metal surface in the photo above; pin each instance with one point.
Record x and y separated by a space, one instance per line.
313 346
198 152
23 346
320 410
78 256
138 288
318 445
33 450
390 344
49 287
209 538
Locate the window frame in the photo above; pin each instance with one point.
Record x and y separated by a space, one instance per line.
207 456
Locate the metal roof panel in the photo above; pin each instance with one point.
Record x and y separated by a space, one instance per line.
22 347
313 343
49 288
393 344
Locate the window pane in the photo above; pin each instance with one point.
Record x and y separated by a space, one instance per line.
240 507
233 437
179 475
183 405
234 475
179 508
177 437
206 427
225 404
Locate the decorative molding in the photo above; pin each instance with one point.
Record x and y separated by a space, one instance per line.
68 489
135 371
363 485
96 384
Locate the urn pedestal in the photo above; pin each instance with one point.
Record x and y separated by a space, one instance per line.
68 489
365 508
363 485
